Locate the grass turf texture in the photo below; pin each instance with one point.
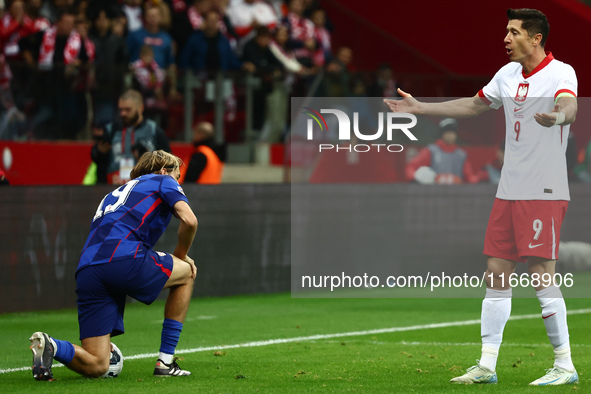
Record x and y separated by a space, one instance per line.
411 361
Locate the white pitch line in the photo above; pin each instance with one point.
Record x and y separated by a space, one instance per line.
480 344
321 336
417 343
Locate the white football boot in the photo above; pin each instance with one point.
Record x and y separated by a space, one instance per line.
477 374
557 376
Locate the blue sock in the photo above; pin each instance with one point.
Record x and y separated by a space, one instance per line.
171 331
64 352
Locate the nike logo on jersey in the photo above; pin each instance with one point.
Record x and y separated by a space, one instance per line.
517 109
545 317
533 246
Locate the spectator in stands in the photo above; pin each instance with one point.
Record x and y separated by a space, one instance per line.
226 27
246 16
100 151
33 10
582 170
301 33
128 141
366 119
165 16
279 48
323 52
338 77
161 43
119 26
52 9
148 75
154 36
61 54
266 67
111 65
208 50
12 28
81 8
191 19
113 8
186 17
149 80
205 165
279 7
442 162
492 170
15 25
133 13
385 84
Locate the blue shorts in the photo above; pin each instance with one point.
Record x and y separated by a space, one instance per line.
102 289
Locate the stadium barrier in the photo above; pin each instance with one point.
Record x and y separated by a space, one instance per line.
247 232
242 244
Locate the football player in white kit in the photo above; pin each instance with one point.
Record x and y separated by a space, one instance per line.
538 94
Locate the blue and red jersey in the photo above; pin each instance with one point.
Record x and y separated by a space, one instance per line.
130 220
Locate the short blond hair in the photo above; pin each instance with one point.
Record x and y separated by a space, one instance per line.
153 162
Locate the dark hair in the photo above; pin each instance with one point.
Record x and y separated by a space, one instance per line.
263 31
67 11
533 21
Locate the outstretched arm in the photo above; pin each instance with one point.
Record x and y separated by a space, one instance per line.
563 113
460 108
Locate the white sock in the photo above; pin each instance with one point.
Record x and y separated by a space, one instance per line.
554 315
496 309
563 359
166 358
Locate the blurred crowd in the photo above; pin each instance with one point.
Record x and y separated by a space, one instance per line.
65 63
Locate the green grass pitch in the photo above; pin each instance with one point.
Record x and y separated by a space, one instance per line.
413 360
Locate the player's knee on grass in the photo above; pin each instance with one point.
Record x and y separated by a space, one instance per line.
94 358
101 368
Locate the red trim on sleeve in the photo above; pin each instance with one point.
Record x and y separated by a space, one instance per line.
564 91
483 98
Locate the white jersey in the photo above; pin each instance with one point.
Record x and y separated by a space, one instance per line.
244 14
535 162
